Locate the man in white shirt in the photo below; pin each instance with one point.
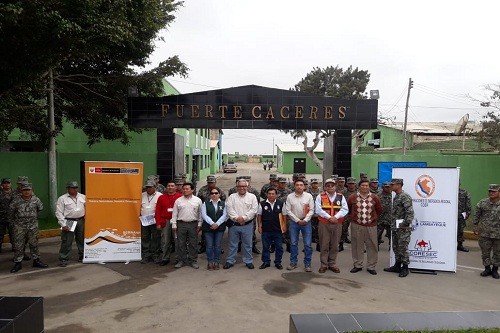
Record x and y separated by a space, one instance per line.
331 208
150 236
186 224
70 209
299 208
241 209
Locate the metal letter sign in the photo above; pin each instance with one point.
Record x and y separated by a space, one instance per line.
251 107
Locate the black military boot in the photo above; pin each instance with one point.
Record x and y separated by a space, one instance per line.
288 247
487 271
341 246
347 240
255 249
202 249
17 267
394 269
494 272
461 247
404 271
38 263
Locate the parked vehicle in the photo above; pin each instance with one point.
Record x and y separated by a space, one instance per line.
229 167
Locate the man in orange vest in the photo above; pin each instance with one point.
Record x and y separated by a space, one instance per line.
331 208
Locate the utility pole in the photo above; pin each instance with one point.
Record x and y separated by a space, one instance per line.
405 141
52 146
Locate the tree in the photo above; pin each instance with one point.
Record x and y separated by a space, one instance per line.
490 131
335 82
94 48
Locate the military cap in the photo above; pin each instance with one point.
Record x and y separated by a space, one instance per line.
26 186
397 181
334 176
150 183
301 175
211 179
5 180
282 179
178 181
295 175
493 187
247 177
329 180
373 180
240 178
384 184
72 184
351 180
314 181
363 175
341 179
22 179
154 178
273 176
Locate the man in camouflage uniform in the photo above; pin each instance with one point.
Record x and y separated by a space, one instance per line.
314 190
402 218
21 181
159 187
464 211
374 186
204 195
350 189
384 220
340 185
24 212
178 184
273 182
283 192
290 185
363 176
5 200
487 226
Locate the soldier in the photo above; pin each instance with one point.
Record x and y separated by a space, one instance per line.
234 189
340 184
402 217
374 186
159 187
487 226
290 185
178 184
350 189
283 192
5 200
204 195
464 211
70 208
384 220
24 212
273 182
21 181
314 190
363 176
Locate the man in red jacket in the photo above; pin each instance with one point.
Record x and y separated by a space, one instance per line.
163 214
364 208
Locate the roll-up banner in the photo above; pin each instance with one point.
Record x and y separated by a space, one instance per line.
112 228
434 191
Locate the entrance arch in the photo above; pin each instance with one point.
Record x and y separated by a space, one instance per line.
251 107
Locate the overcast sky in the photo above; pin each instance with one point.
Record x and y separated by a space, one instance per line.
448 48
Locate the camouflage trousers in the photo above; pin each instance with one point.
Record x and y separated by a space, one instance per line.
25 233
490 251
400 241
315 233
345 230
460 228
381 226
6 228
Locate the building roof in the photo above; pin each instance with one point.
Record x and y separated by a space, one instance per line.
291 148
431 127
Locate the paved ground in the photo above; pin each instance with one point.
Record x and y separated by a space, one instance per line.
134 297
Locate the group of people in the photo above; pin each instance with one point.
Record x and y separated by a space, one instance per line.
280 212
